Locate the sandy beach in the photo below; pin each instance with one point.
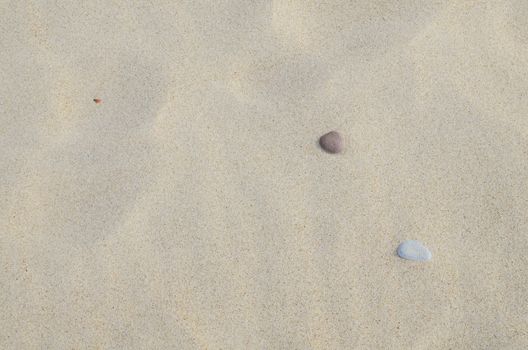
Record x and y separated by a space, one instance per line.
192 207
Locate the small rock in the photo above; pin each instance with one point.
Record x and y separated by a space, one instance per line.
332 142
414 250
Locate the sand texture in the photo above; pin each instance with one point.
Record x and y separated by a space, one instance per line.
193 208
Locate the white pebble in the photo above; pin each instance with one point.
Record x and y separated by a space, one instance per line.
414 250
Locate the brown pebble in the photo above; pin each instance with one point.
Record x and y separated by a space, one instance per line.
97 100
332 142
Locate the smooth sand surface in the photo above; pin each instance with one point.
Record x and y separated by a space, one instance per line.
194 209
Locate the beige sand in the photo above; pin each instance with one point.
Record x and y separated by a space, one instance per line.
193 208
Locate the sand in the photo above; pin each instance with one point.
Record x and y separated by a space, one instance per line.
193 208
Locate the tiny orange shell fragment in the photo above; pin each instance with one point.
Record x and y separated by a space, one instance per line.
97 100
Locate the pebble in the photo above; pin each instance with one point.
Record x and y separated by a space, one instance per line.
414 250
332 142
